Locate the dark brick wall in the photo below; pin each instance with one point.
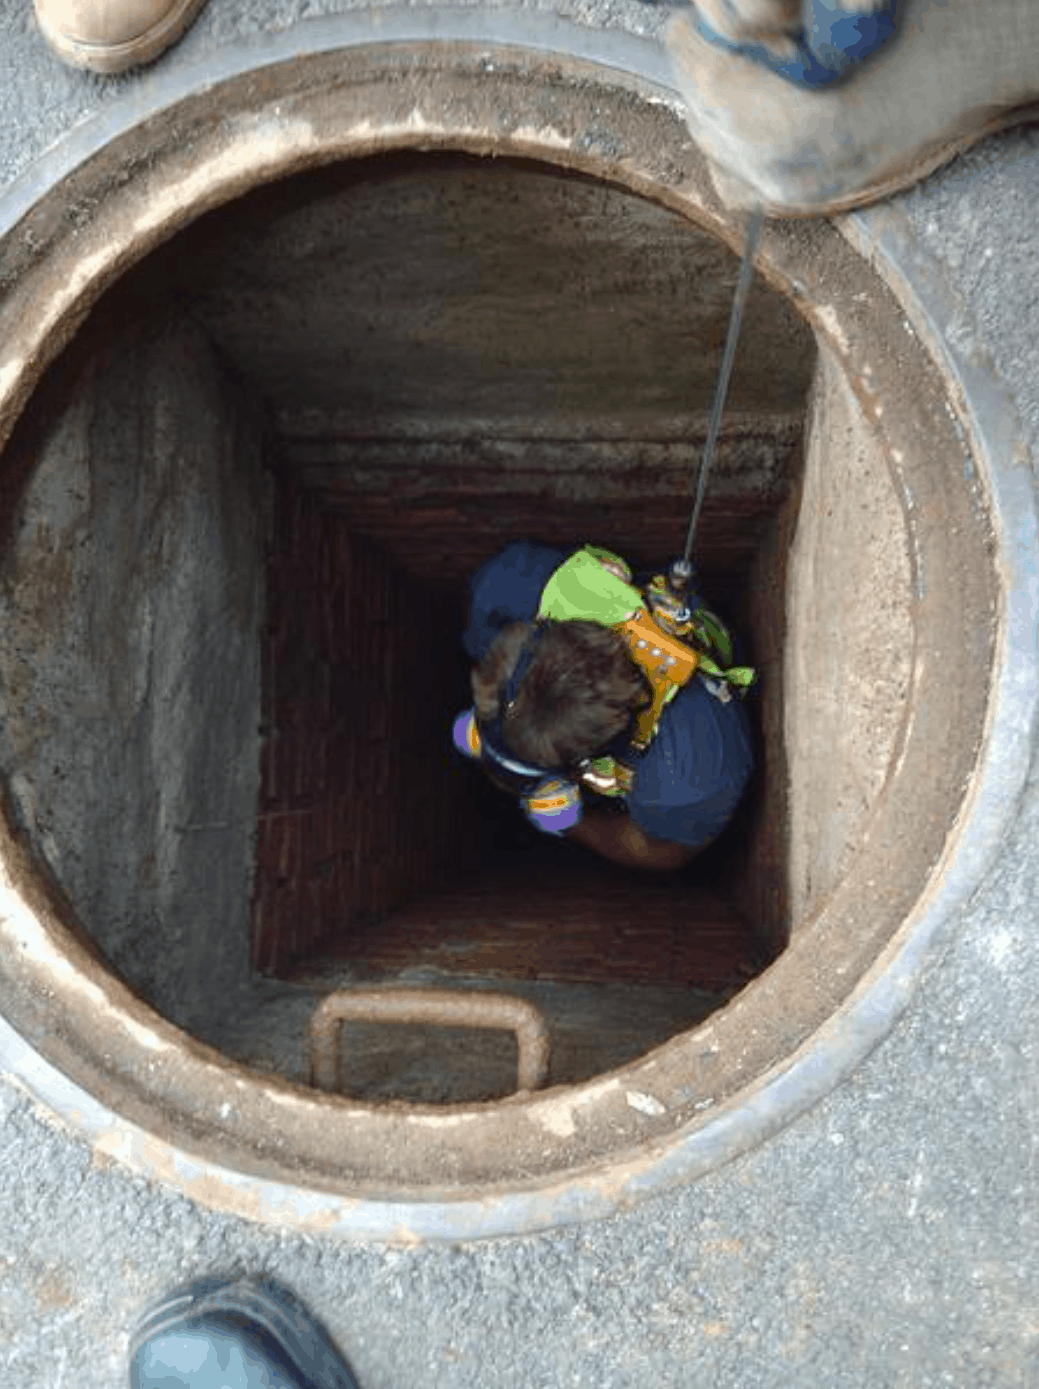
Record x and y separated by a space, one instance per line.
360 809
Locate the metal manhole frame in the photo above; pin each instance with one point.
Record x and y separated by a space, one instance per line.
142 1091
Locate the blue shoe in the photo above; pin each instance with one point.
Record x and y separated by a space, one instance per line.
234 1333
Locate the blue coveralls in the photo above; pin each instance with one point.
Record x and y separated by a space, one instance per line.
690 779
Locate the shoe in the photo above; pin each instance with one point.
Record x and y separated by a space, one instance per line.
112 35
241 1333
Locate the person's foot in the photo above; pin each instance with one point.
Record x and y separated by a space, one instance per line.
234 1333
111 35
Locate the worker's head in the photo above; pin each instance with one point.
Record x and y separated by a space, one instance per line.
578 693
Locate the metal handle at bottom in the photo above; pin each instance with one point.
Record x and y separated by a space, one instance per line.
433 1007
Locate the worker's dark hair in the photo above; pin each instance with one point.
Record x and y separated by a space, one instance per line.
577 694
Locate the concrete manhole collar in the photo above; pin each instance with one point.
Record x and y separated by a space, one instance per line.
180 1111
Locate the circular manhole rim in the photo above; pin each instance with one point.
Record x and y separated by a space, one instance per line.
181 1110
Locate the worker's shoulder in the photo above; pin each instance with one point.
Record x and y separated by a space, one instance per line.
524 560
520 549
705 711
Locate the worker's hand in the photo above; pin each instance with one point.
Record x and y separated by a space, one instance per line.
770 22
554 807
793 136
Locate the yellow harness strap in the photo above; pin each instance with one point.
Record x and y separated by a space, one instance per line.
667 663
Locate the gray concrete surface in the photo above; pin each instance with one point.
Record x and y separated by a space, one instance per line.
849 647
131 596
887 1237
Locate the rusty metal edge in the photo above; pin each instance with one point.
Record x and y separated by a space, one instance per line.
396 1005
832 1052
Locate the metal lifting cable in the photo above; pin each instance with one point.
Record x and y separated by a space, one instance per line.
681 570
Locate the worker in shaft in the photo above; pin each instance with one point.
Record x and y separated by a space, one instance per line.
590 686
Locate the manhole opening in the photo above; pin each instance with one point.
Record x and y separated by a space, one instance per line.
249 498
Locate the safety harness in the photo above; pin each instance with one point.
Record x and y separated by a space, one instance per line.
668 644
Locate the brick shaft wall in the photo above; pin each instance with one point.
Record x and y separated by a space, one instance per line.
359 810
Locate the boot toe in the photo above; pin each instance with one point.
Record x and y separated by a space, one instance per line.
244 1333
111 35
